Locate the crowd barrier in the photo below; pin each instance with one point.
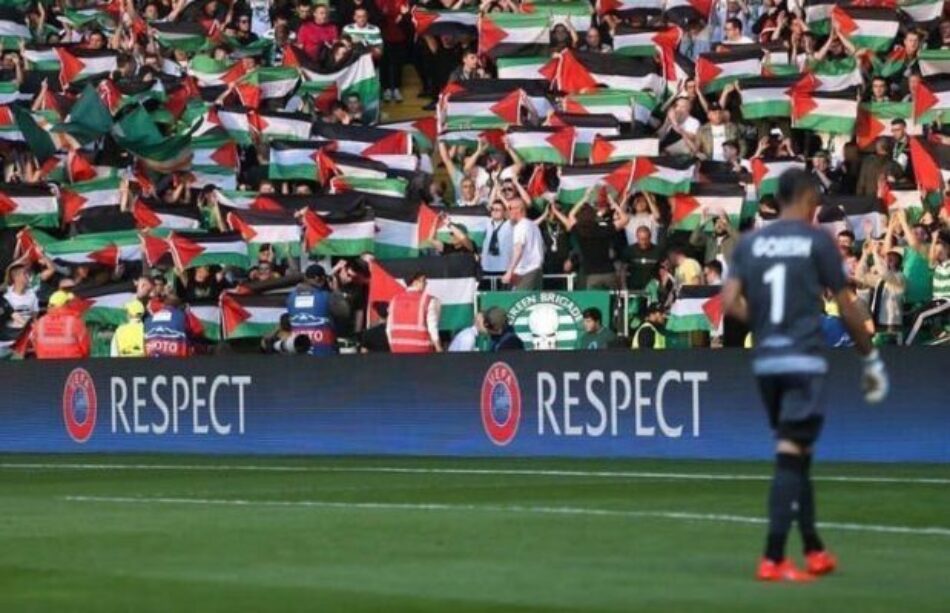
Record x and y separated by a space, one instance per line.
672 404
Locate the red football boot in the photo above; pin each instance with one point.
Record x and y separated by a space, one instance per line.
781 571
820 562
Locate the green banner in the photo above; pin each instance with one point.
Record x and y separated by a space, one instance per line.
549 320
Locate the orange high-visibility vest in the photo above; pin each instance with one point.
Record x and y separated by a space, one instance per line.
407 323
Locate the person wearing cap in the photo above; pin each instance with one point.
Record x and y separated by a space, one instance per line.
412 324
61 333
501 334
652 332
129 338
308 306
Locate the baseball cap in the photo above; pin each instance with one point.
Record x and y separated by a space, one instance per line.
60 298
714 106
134 308
315 271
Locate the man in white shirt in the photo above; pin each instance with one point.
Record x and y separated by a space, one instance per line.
678 132
732 33
361 31
467 338
496 249
21 298
527 255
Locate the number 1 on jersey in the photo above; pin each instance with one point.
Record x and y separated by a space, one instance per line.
774 277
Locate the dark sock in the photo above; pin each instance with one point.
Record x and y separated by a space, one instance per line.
785 491
806 511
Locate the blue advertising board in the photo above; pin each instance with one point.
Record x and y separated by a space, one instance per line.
672 404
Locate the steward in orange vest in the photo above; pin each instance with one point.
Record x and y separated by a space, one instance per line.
413 321
61 333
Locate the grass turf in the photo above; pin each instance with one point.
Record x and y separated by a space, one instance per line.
475 554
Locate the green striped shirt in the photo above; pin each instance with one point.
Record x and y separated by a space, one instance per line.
942 281
369 35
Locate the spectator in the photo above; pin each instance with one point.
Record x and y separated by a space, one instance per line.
469 70
877 167
362 32
643 258
413 322
527 254
467 338
396 24
733 33
21 298
596 335
687 271
938 310
317 35
646 214
712 272
723 241
497 247
593 231
714 134
828 178
678 134
593 42
900 152
501 334
884 279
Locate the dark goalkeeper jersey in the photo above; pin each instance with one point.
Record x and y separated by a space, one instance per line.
784 269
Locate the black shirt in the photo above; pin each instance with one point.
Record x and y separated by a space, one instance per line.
594 241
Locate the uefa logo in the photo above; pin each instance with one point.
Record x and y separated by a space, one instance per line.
501 403
79 405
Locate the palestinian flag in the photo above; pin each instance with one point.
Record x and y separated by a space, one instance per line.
776 61
697 308
683 12
535 92
468 139
932 100
512 34
716 70
464 111
215 160
358 78
399 163
894 63
445 23
453 279
293 160
256 228
352 234
187 36
922 12
818 15
628 8
934 62
204 320
236 199
529 67
576 180
105 305
102 248
645 42
210 72
250 316
475 219
79 198
397 228
853 213
664 175
874 120
617 104
543 145
13 30
41 58
9 92
9 130
333 164
365 141
867 28
833 112
392 188
424 132
907 200
191 250
833 75
265 84
79 19
616 148
579 72
931 164
23 204
150 215
236 121
576 13
766 171
712 198
766 97
277 125
586 128
76 63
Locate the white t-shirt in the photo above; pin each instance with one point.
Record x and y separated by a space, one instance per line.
641 219
24 306
465 340
718 138
526 233
497 263
690 125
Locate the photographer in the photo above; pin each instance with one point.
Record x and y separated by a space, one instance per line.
282 340
309 310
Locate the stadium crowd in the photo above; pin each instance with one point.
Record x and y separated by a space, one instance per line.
196 176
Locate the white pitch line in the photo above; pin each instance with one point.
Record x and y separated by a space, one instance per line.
508 509
464 471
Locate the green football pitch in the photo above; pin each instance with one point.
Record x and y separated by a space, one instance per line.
159 533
